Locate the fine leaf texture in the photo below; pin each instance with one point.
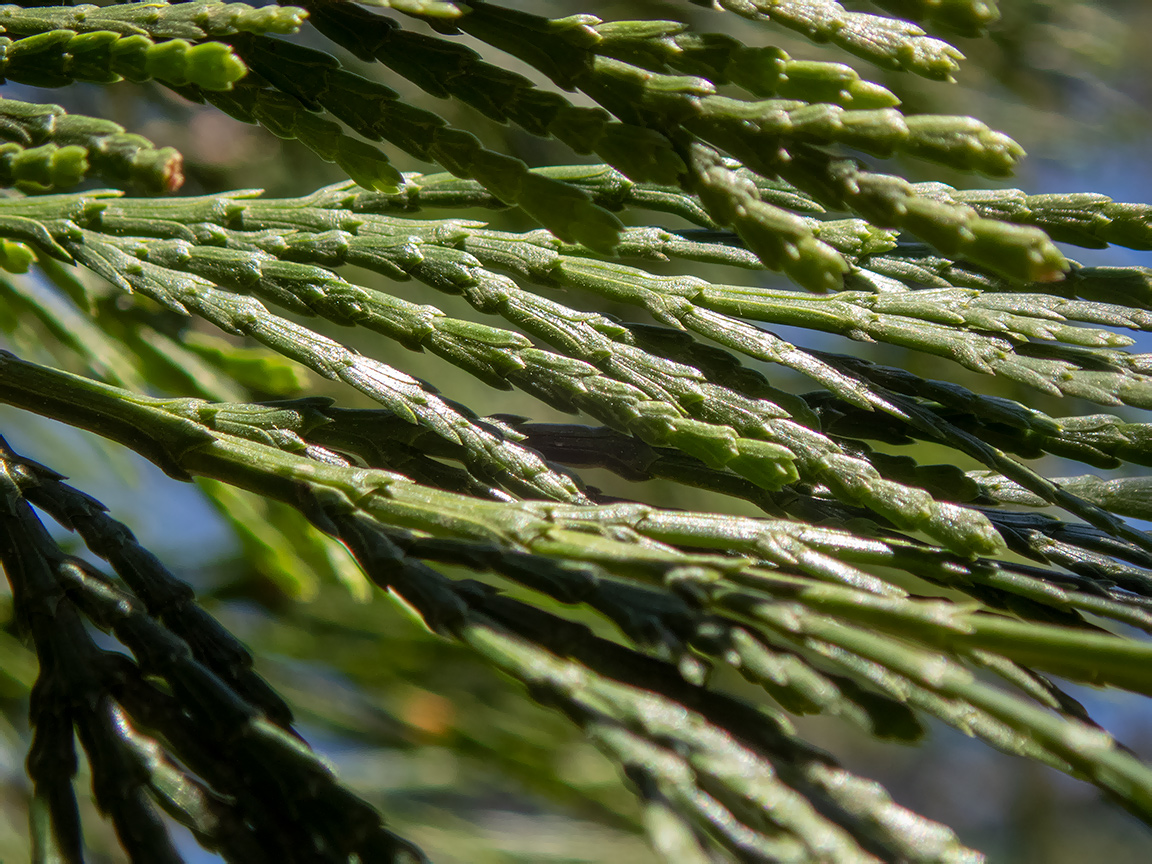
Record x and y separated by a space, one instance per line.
846 448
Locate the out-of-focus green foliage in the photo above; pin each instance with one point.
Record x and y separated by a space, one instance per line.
641 427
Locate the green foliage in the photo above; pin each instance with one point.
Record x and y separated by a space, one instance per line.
914 557
51 148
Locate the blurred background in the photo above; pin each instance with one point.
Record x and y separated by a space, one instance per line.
456 757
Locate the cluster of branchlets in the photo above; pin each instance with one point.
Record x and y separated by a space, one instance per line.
666 128
725 426
1084 219
656 131
1112 576
657 398
796 606
773 137
671 129
658 390
183 724
793 613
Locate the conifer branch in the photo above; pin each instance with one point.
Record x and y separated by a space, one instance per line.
909 262
520 468
494 91
679 301
916 265
375 112
156 20
1126 496
104 149
887 42
268 773
285 117
58 57
168 434
1086 219
724 427
1070 651
661 46
670 103
887 584
453 271
775 238
1017 252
